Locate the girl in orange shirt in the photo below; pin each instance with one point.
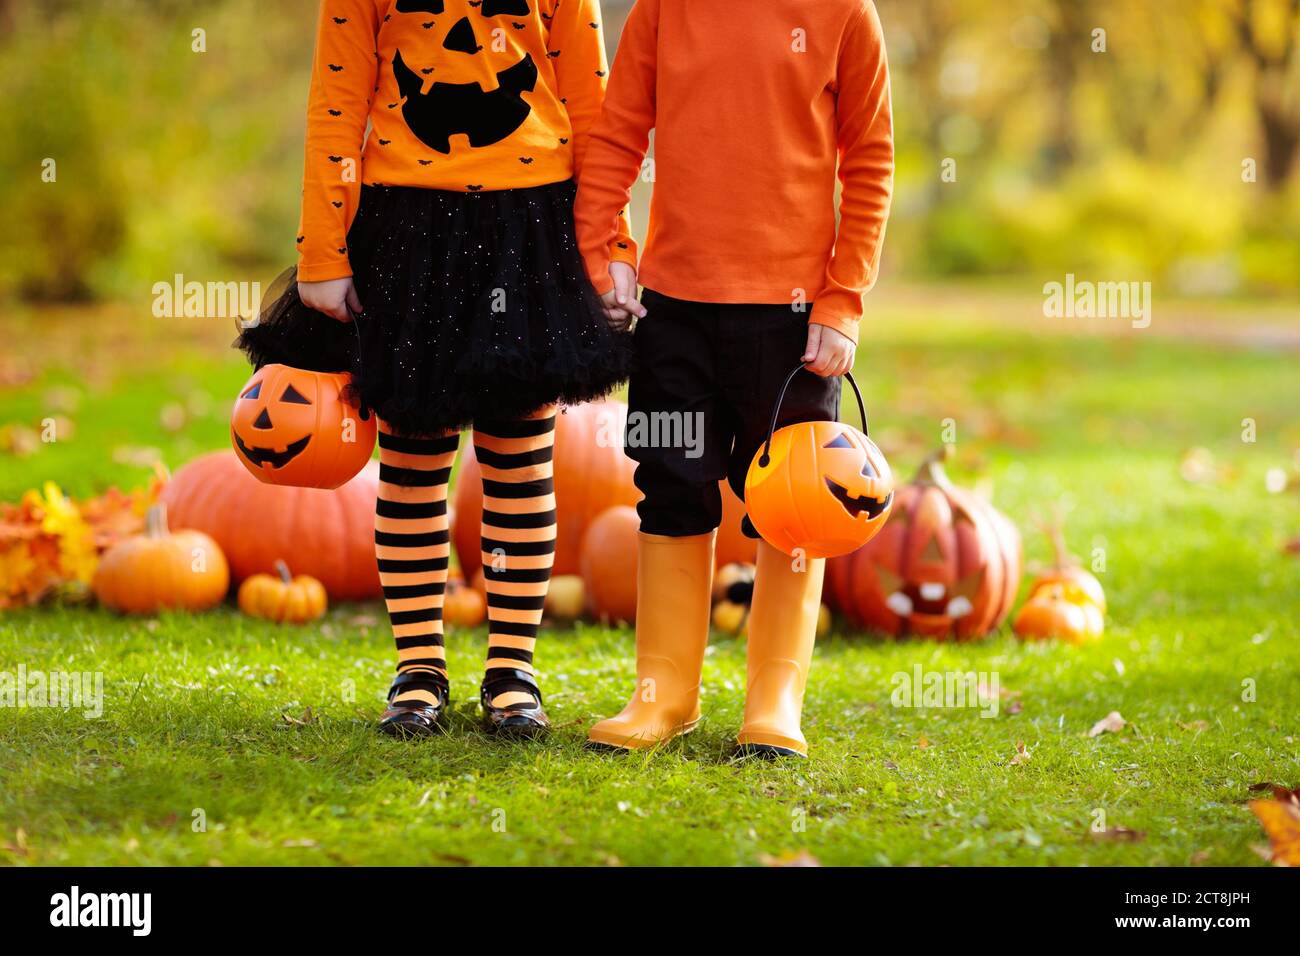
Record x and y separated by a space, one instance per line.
437 263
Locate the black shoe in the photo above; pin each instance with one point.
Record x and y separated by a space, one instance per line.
415 718
766 752
516 720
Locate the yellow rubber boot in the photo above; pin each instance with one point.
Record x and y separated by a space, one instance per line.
674 581
782 631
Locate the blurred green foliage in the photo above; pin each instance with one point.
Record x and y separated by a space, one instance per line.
1062 157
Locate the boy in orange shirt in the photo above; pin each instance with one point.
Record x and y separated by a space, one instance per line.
756 108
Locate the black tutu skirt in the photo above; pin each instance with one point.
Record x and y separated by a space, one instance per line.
476 307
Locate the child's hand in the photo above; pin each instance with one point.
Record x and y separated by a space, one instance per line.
620 303
333 296
828 352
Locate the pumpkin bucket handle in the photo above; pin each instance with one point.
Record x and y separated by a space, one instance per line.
780 397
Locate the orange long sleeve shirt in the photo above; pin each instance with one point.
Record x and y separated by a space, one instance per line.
755 107
457 95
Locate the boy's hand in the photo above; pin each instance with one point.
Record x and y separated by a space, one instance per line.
828 352
620 303
333 296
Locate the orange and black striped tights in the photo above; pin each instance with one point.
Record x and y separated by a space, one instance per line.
412 543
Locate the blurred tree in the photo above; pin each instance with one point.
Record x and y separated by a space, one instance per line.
1270 35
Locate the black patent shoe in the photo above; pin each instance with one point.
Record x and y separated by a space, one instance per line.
525 719
415 718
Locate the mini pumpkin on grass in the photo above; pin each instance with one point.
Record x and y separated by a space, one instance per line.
463 604
162 569
282 597
1065 601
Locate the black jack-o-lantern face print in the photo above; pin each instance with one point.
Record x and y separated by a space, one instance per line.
449 108
265 442
293 426
822 489
873 497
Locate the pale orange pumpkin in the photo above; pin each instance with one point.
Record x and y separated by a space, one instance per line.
566 597
283 597
162 569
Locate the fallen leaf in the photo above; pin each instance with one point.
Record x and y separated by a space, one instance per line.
1281 821
306 718
19 846
1120 834
1280 792
1022 753
790 858
1112 722
922 742
1200 856
1195 725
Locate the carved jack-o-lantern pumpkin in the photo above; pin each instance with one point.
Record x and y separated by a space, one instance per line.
946 566
821 488
292 427
479 90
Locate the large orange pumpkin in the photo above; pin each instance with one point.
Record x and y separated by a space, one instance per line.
591 474
328 535
291 426
733 547
946 565
609 563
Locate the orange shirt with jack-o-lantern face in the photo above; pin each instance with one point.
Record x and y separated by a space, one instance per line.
458 94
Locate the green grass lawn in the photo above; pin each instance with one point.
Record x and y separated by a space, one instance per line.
266 734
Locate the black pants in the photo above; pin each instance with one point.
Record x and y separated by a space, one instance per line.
700 402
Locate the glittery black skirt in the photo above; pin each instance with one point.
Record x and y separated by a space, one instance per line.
476 307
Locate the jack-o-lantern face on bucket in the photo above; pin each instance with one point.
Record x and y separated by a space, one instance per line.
479 98
292 427
824 489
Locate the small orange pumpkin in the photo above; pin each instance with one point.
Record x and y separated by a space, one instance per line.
1065 601
283 597
291 426
462 604
162 569
609 564
821 489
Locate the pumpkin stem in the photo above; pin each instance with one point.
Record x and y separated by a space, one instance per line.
155 520
1055 531
283 570
932 471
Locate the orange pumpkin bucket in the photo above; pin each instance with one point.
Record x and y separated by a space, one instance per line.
291 426
821 489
